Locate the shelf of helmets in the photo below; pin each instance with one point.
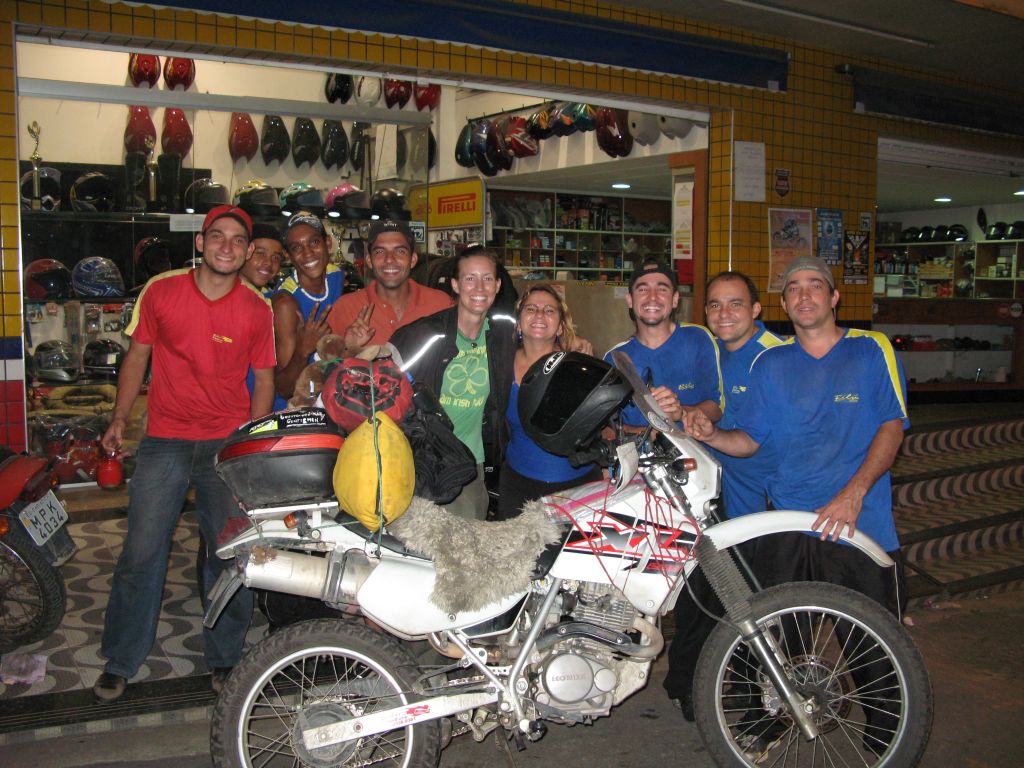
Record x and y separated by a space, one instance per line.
952 353
924 270
576 237
999 269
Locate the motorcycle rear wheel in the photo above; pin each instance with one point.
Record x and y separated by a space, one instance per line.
837 646
32 594
310 674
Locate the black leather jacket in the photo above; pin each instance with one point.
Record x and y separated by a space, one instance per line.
428 345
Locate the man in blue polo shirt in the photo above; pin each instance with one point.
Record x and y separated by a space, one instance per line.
832 401
680 359
732 307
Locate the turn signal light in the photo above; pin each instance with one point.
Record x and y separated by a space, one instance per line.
291 520
5 526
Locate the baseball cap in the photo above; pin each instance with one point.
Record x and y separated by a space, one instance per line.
268 232
231 211
653 264
383 226
307 218
814 263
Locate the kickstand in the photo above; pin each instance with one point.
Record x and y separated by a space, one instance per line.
502 739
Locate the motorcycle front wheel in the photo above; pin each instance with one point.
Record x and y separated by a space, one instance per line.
32 594
311 674
851 660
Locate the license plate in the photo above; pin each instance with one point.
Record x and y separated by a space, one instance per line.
43 518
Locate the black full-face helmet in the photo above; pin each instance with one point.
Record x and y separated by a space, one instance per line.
566 398
102 357
389 203
93 192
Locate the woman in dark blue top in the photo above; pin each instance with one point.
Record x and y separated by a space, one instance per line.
543 326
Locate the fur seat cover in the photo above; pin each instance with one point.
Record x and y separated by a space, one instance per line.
477 562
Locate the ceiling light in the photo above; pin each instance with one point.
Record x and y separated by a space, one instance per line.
1019 193
621 185
943 200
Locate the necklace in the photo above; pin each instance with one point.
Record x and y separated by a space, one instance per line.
318 299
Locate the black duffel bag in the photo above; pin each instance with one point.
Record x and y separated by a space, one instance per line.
444 465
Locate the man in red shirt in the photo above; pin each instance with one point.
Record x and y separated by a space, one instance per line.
392 300
203 328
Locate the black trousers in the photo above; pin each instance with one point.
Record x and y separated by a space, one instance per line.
515 489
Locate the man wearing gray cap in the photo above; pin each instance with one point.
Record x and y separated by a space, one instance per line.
833 401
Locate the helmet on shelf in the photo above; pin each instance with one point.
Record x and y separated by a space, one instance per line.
179 71
97 276
203 195
47 279
275 144
152 256
243 140
397 92
497 148
958 233
348 202
389 203
102 357
359 140
428 96
584 117
143 68
368 90
93 192
567 397
940 234
464 147
996 231
481 132
643 127
338 88
910 235
300 196
674 127
333 144
539 124
1015 231
613 134
257 198
49 189
517 135
176 136
560 119
305 142
926 234
55 361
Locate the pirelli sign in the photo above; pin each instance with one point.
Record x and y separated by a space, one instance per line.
449 204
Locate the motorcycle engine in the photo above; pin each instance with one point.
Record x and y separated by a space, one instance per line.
579 678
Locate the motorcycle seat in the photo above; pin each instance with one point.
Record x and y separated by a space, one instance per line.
546 559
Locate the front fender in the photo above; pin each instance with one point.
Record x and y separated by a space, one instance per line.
741 529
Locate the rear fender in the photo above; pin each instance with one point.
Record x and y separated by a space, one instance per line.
741 529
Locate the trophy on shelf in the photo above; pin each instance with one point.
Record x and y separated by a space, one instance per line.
152 176
36 201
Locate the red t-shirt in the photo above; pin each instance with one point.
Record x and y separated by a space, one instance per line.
202 351
423 302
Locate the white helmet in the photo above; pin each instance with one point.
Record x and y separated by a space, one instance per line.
368 90
675 127
643 128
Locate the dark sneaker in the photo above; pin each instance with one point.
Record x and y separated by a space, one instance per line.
109 687
685 705
219 676
760 735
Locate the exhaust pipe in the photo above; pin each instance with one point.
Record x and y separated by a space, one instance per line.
334 579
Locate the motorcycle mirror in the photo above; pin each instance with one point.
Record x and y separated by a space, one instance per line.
643 398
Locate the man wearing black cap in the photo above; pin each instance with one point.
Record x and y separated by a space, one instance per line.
204 328
391 300
304 300
832 401
679 359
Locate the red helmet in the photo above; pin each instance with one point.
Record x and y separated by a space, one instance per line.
47 279
346 392
243 140
518 138
140 127
179 71
143 68
339 191
613 134
427 96
497 148
176 136
397 92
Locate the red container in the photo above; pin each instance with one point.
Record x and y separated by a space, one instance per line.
284 458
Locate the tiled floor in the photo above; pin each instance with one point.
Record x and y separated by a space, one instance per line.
73 651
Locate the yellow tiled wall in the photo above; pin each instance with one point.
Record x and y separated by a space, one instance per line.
810 129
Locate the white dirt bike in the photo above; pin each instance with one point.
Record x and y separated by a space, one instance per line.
549 618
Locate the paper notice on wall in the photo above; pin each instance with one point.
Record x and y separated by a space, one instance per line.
830 234
748 171
682 220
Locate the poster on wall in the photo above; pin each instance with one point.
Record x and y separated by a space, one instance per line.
789 237
855 257
829 223
682 231
748 171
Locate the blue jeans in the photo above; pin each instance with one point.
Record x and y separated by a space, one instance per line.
164 470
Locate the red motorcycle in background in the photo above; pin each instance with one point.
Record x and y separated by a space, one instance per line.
34 542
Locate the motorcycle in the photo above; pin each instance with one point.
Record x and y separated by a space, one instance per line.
33 544
799 674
